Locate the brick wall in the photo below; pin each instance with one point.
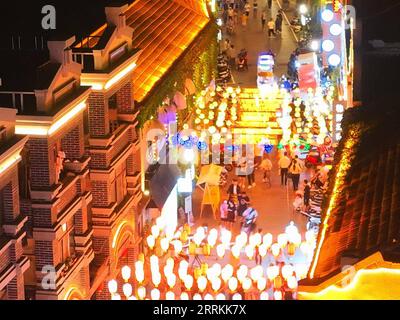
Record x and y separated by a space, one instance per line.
4 260
98 115
42 218
15 288
73 143
40 163
44 254
100 192
99 160
10 200
124 98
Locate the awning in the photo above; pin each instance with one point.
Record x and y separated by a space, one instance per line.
162 182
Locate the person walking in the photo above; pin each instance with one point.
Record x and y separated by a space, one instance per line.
269 4
245 17
266 166
295 170
306 194
223 209
247 8
284 164
244 201
250 167
271 27
278 22
232 211
263 20
232 55
234 190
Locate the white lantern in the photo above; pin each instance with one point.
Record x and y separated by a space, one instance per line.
237 296
112 286
184 296
217 269
262 250
275 249
188 282
278 295
236 251
241 273
177 247
216 284
141 293
292 282
287 271
171 280
151 241
197 296
267 240
170 295
156 279
155 231
220 296
246 284
164 243
256 273
264 295
272 272
127 289
261 283
153 260
202 283
249 250
282 240
227 272
115 296
155 294
208 297
232 284
220 251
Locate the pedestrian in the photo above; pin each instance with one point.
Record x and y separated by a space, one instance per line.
241 173
306 194
257 255
223 209
278 22
244 19
249 219
284 164
271 27
269 4
232 55
230 13
247 8
266 166
250 167
234 190
295 169
232 211
225 46
244 201
255 5
263 20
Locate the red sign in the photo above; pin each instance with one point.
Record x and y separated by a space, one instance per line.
307 77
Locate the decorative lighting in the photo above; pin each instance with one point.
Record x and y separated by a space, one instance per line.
328 45
141 293
126 273
127 289
246 284
208 296
197 296
155 294
202 283
151 241
170 296
112 286
264 295
261 283
216 284
314 45
233 284
220 296
184 296
278 295
334 60
249 250
335 29
327 15
237 296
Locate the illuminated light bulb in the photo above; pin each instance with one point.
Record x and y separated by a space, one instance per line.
220 251
188 281
170 295
132 298
334 59
153 260
327 15
310 236
233 284
220 296
292 282
115 296
227 272
177 246
249 250
212 129
212 240
112 286
171 280
183 265
267 240
184 296
127 289
328 45
126 273
261 283
168 270
139 274
141 293
287 271
197 296
264 295
241 273
282 240
156 279
208 297
170 262
164 243
235 250
275 249
262 250
155 294
272 272
155 231
237 296
300 270
151 240
202 283
278 295
216 284
256 273
246 284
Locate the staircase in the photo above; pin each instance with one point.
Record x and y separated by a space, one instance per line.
257 118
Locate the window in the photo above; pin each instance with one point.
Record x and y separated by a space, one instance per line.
67 243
